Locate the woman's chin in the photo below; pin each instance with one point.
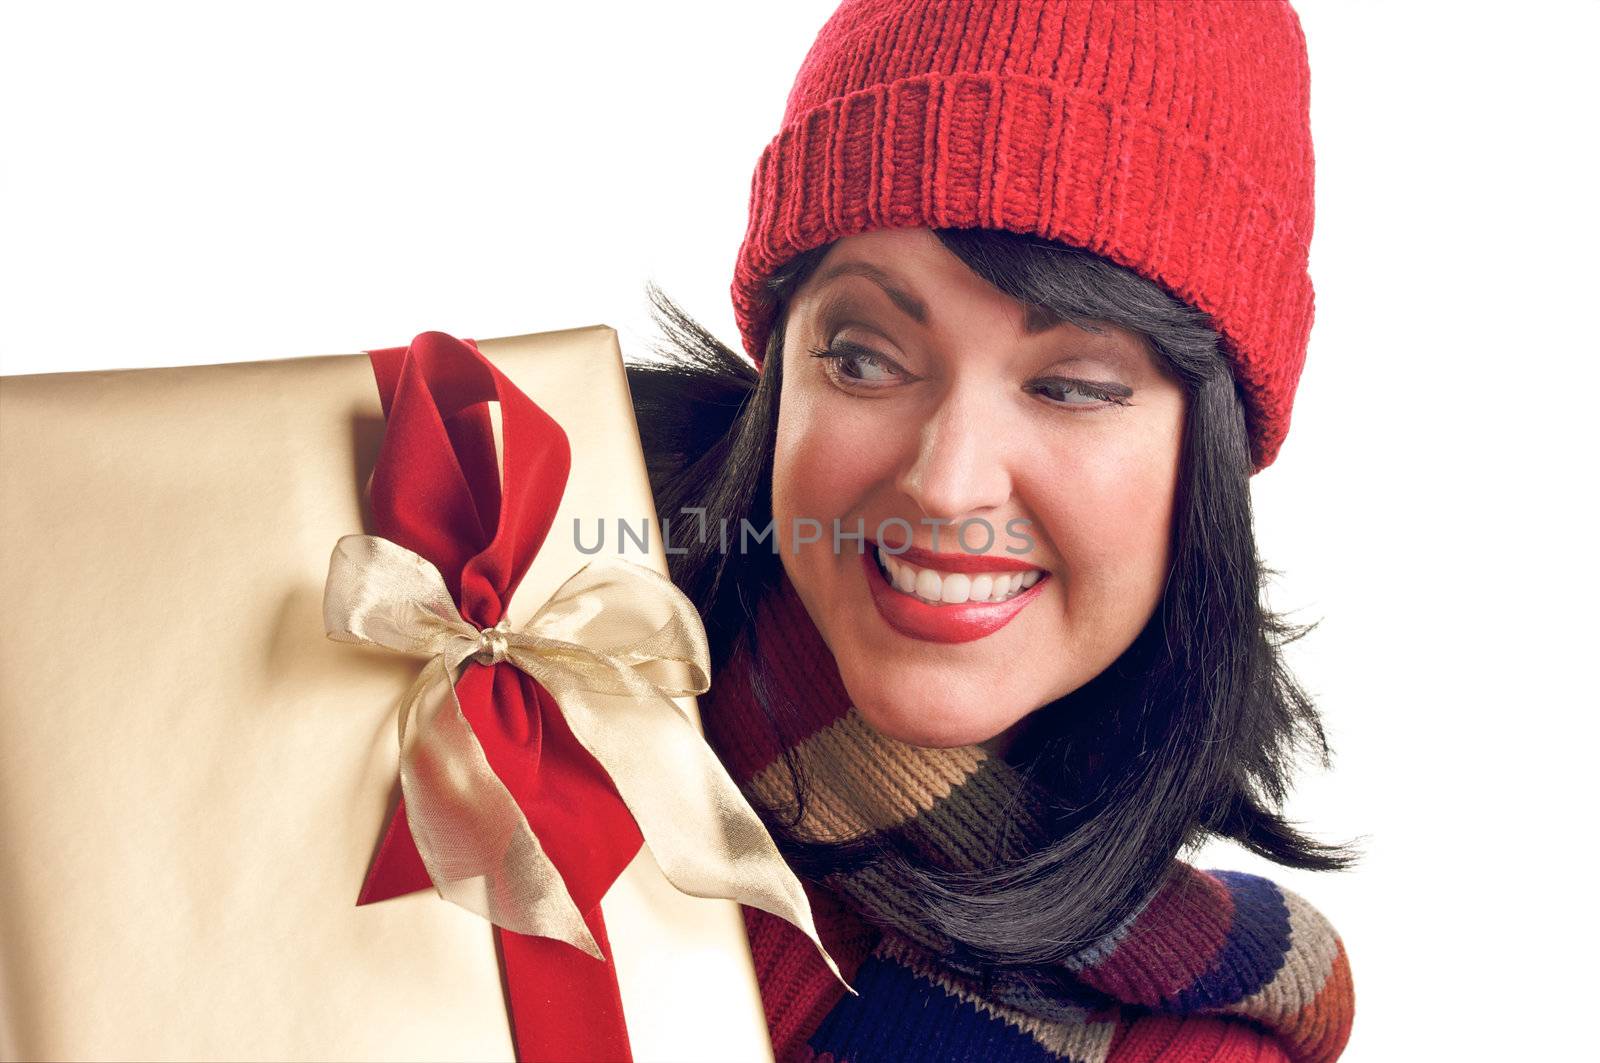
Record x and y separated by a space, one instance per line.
933 727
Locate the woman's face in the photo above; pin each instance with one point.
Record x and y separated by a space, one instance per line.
955 410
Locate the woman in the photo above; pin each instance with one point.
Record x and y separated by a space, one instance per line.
1032 276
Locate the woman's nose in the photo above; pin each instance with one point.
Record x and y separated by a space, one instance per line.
959 466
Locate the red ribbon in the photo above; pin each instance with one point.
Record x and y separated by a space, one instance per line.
436 490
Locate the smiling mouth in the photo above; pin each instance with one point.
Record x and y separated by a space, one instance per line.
911 614
931 586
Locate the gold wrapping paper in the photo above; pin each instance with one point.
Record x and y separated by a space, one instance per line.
193 777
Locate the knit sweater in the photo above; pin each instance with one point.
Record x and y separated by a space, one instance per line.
1216 967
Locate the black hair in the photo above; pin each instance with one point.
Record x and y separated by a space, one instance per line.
1194 731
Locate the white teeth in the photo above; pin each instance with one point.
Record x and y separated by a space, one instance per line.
955 588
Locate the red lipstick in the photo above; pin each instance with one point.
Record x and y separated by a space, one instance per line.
916 619
962 562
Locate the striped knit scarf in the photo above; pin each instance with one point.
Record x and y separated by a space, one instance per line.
1216 965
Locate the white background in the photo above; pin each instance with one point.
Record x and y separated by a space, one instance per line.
190 183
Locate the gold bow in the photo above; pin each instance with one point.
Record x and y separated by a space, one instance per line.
613 645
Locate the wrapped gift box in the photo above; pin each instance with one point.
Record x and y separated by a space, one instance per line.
194 777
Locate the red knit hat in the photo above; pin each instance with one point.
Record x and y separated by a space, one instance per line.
1171 138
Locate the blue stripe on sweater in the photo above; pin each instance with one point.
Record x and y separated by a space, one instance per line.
1255 949
901 1016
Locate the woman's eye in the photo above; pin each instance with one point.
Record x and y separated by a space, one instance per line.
1067 392
853 364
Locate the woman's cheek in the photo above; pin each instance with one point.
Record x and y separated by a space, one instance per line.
1109 516
802 490
825 458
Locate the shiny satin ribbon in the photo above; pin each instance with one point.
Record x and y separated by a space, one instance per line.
612 646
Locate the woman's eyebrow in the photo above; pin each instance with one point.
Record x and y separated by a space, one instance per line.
909 304
1036 318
